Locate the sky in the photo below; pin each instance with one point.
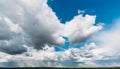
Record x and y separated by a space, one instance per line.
59 33
105 10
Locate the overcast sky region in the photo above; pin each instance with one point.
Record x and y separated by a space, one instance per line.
59 33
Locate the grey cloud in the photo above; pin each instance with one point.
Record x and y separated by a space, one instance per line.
5 32
48 57
10 41
36 19
12 46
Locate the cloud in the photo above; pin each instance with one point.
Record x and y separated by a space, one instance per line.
80 28
33 23
81 11
85 56
36 19
10 37
109 40
29 24
48 57
4 30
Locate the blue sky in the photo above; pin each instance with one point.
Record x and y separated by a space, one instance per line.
105 10
52 33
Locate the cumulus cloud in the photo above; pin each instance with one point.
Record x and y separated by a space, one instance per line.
84 56
36 19
10 37
25 24
29 24
80 28
33 23
48 57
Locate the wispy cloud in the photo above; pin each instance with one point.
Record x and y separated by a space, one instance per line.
109 40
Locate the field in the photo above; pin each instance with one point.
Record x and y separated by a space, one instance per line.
64 68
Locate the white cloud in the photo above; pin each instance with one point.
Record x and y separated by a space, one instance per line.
80 28
48 57
85 56
109 40
25 24
81 11
37 20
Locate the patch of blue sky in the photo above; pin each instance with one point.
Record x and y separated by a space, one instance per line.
105 10
65 46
